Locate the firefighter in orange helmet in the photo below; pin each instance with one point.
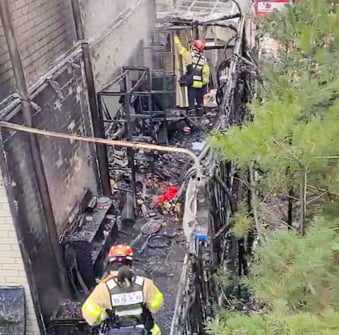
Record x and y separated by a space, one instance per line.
198 68
130 300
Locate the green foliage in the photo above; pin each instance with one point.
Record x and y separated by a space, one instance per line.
298 280
303 323
295 117
302 272
242 222
294 130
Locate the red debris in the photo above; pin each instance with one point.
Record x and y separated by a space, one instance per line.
170 193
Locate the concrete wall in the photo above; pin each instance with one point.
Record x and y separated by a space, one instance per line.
12 271
115 37
99 15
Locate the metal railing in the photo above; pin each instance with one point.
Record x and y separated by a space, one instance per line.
211 199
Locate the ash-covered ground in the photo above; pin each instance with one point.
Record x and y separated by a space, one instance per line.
161 259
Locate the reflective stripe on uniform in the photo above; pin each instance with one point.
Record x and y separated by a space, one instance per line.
92 309
111 283
197 84
155 330
139 280
198 62
157 300
182 50
103 316
129 312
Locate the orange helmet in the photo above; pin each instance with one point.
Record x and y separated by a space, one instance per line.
199 45
120 253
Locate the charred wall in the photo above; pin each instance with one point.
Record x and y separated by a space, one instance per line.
31 218
54 72
44 30
116 39
70 168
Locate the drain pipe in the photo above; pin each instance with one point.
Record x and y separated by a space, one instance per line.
93 104
38 168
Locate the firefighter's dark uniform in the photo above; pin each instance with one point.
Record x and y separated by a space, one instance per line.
201 73
127 303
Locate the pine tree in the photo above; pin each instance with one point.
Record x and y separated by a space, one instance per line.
290 150
294 127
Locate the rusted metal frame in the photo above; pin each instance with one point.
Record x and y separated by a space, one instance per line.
226 190
122 76
38 168
114 81
127 93
101 150
232 69
149 100
129 131
133 88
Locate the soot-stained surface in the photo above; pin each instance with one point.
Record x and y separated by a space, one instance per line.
164 265
161 259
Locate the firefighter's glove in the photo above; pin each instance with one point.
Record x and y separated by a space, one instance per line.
176 39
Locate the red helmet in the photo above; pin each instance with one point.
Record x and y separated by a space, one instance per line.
120 253
199 45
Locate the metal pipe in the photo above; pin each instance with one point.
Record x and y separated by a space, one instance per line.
101 150
114 81
117 143
149 100
38 168
129 132
131 90
195 30
135 68
128 211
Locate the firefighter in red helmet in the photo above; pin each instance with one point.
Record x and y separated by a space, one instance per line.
130 300
198 71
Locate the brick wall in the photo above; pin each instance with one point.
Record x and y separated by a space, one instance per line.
12 270
44 31
6 74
